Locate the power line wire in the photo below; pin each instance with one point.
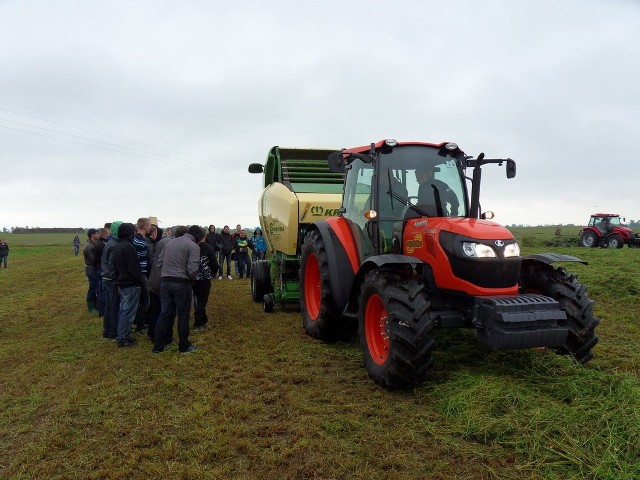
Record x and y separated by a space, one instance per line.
175 161
103 134
86 138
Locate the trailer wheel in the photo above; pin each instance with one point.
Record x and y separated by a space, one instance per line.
321 317
589 239
572 296
615 241
396 332
267 303
260 280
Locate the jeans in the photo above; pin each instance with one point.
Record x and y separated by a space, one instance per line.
243 264
111 309
94 283
76 249
201 291
129 297
175 297
223 257
3 259
256 255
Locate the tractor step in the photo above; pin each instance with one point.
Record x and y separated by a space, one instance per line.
522 321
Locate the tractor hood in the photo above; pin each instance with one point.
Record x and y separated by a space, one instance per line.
478 257
467 227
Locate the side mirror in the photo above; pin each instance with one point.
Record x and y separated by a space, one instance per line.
256 168
336 162
511 168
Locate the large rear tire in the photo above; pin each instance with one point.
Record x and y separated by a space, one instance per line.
589 239
321 317
572 296
260 280
395 329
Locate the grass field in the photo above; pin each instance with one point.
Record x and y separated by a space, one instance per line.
261 400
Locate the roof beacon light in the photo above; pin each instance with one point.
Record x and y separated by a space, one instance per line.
390 142
451 146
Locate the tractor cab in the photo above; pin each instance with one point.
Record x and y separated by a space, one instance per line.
384 189
389 183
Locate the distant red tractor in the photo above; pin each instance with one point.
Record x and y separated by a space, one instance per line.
606 230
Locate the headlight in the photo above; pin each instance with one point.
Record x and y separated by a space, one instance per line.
480 250
512 250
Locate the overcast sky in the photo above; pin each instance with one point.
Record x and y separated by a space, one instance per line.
113 110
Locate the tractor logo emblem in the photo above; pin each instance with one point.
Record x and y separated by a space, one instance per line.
319 211
411 245
499 243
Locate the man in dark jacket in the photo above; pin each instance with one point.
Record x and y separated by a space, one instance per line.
180 263
140 243
213 239
4 252
110 292
91 269
202 284
103 236
243 261
226 247
156 246
129 279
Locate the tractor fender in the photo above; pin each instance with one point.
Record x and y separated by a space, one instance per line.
341 271
373 262
549 258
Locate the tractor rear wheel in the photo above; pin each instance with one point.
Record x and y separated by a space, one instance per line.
321 317
260 280
589 239
615 241
396 332
574 301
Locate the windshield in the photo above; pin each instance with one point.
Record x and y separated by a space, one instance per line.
411 181
426 179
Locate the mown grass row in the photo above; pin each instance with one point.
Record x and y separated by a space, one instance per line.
263 400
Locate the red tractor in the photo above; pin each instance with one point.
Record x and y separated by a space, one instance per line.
606 230
411 253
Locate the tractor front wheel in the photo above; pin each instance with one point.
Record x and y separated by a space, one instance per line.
321 317
395 330
574 301
589 239
615 241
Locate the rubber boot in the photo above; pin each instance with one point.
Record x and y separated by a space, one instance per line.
91 306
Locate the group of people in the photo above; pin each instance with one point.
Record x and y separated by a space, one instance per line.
235 247
142 278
